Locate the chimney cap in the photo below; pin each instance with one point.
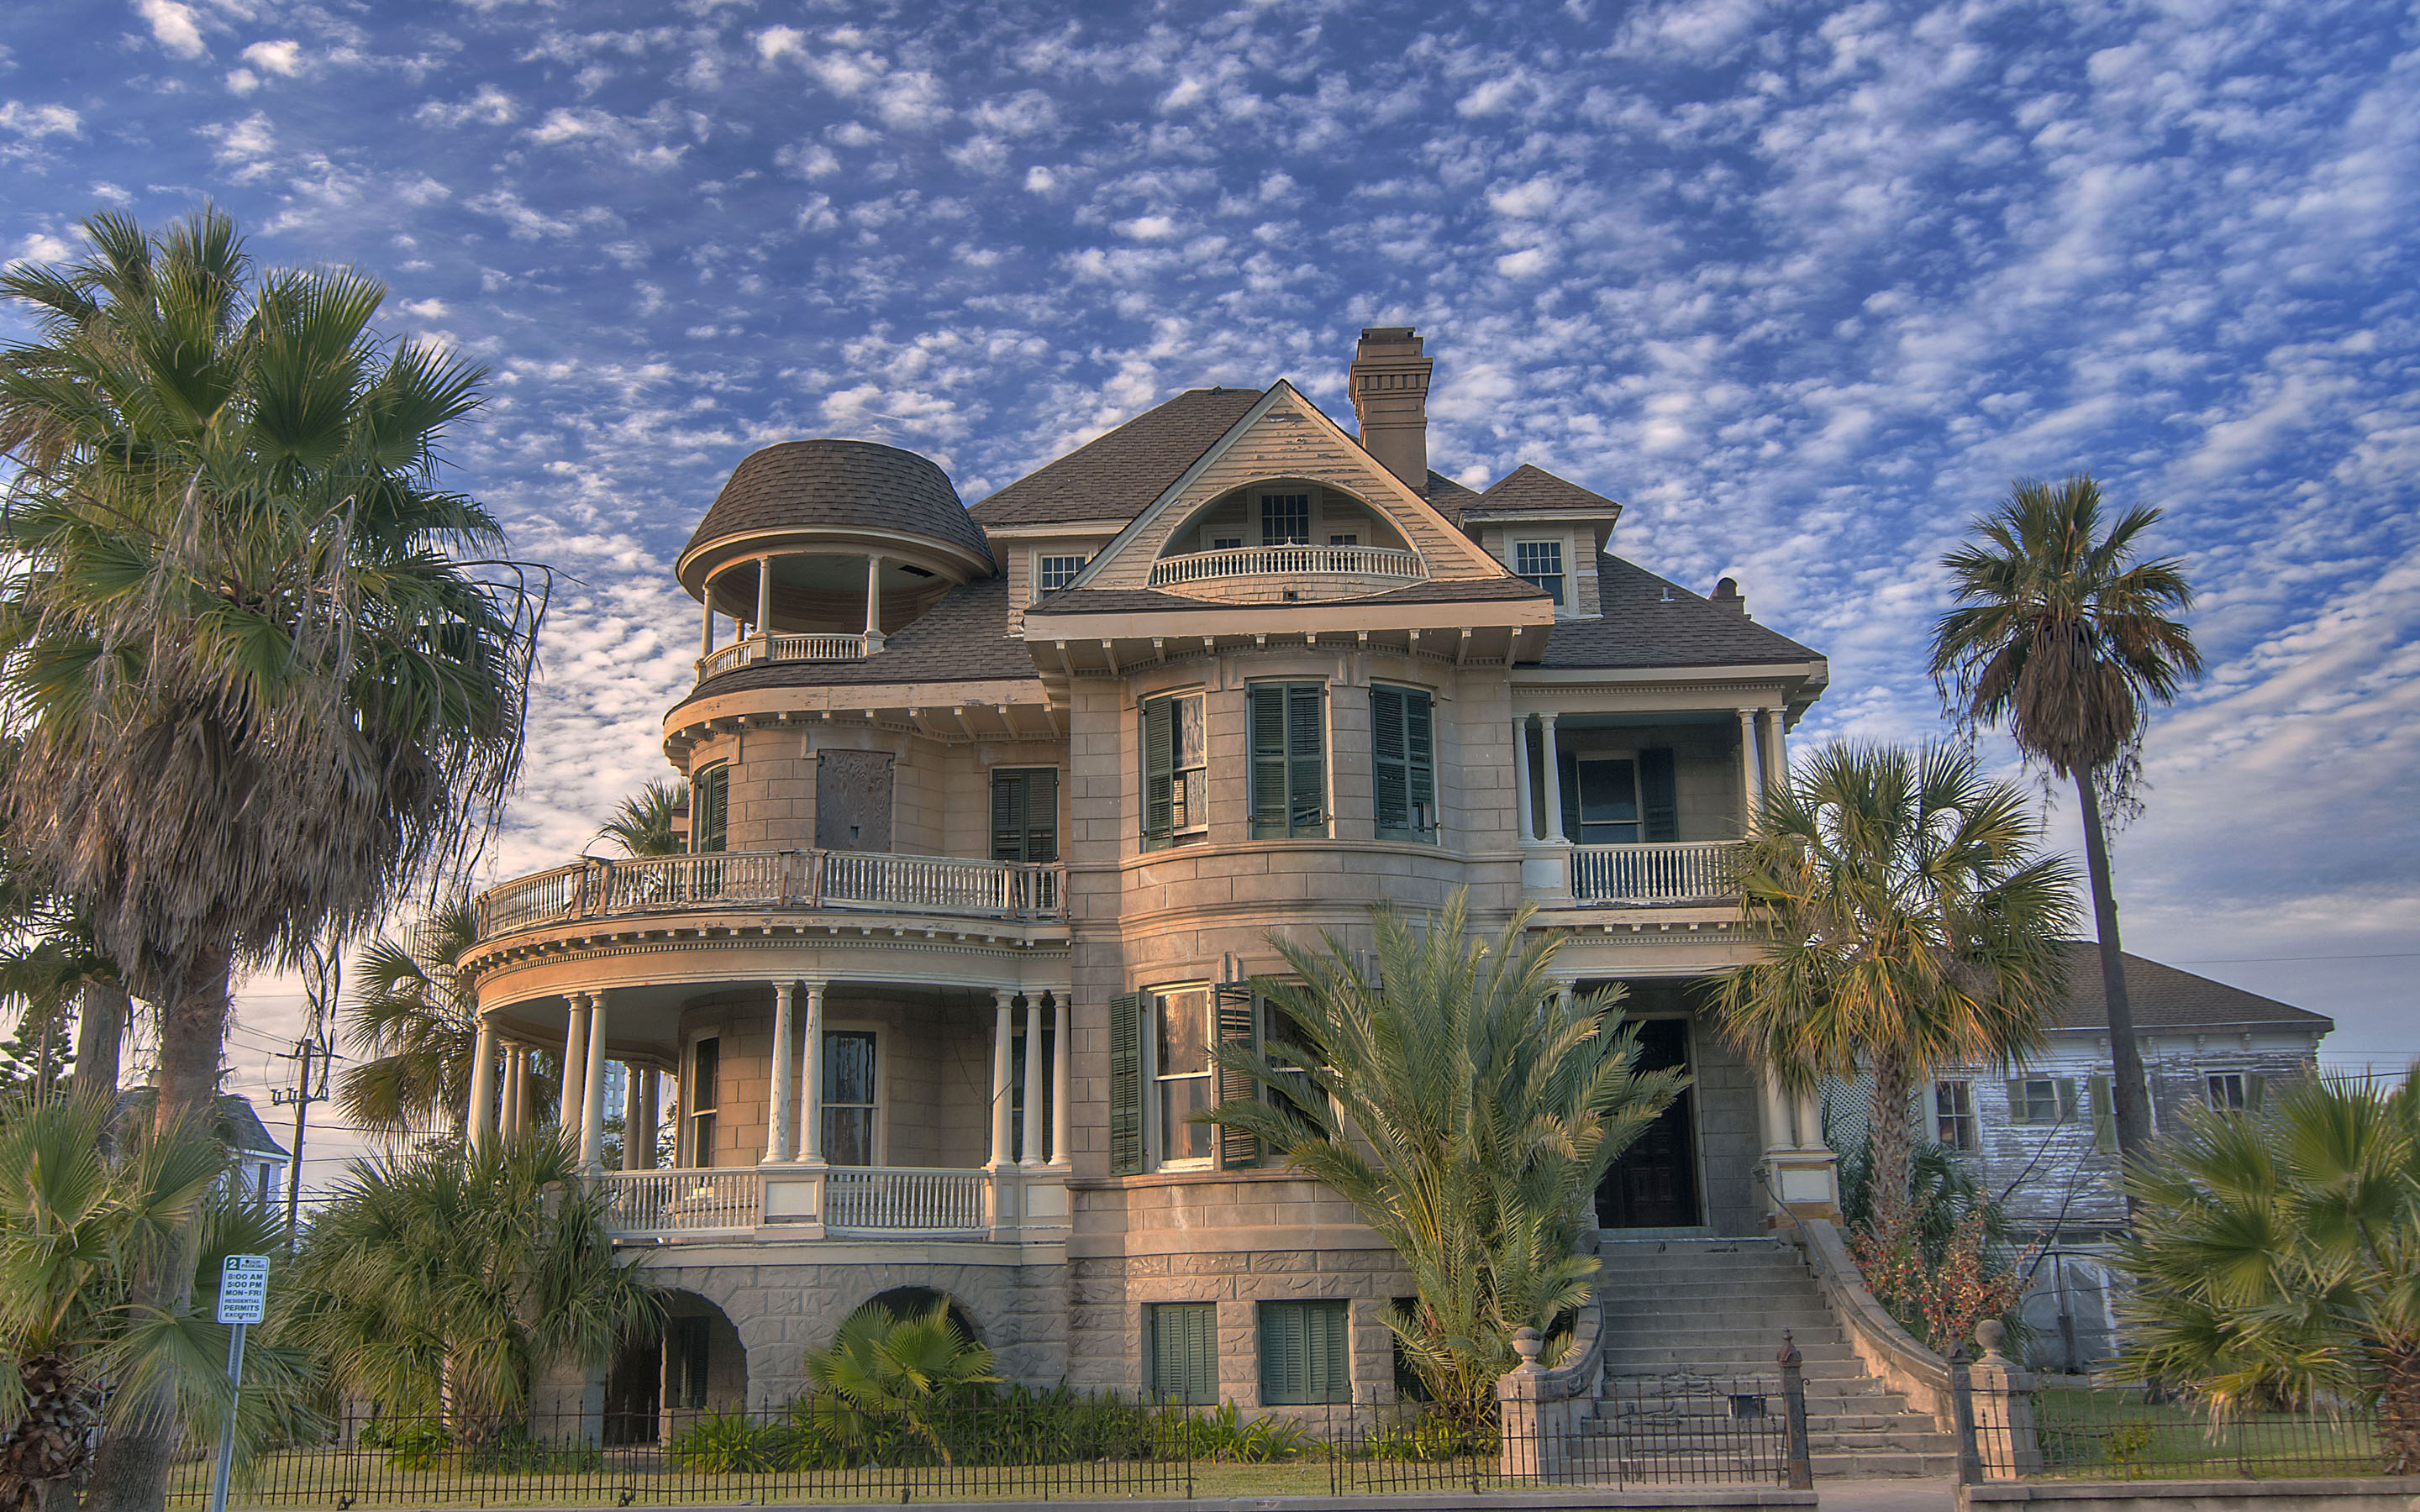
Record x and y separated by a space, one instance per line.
1727 588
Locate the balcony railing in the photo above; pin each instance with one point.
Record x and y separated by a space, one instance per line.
798 1201
682 1202
764 648
1664 873
875 1199
1288 560
869 880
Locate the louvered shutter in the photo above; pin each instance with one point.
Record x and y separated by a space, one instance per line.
1268 740
1305 758
1327 1353
2017 1113
1158 771
2104 1117
2256 1090
1237 1148
1657 796
1185 1352
1285 1365
1127 1012
1009 799
1390 771
1042 815
1420 761
2066 1086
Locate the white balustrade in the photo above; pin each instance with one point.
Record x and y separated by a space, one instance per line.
1665 871
680 1201
1290 561
936 884
530 899
886 1199
773 879
758 649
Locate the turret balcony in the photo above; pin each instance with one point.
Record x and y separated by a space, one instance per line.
758 650
1259 572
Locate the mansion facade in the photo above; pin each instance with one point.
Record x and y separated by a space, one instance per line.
994 812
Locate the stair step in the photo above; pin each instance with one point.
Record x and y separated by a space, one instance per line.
1882 1465
1640 1334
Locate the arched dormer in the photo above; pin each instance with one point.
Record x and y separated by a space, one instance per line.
1288 539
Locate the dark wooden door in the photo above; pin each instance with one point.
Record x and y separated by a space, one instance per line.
1655 1182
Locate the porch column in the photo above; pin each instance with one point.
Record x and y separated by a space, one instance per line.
777 1138
575 1059
706 641
592 1089
1749 788
483 1085
764 596
1062 1050
1032 1130
638 1118
650 1099
1000 998
516 1112
1809 1108
1768 743
872 602
1554 781
1524 826
810 1121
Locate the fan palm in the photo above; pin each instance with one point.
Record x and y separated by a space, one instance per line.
1467 1110
2276 1256
446 1281
2064 636
642 823
882 1365
1910 920
264 670
415 1020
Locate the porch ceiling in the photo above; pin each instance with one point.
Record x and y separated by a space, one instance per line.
645 1020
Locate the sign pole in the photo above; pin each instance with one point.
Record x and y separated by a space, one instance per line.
226 1431
244 1300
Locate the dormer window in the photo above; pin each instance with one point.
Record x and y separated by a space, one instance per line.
1540 564
1051 574
1285 520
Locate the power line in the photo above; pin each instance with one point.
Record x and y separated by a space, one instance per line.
2249 959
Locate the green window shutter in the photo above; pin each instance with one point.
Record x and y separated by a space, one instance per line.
1390 767
1420 759
1158 772
1569 766
1657 795
1185 1352
2017 1101
1237 1148
1285 1370
1042 815
1009 800
2066 1086
2105 1118
1267 707
710 808
1330 1354
1127 1012
2256 1090
1305 758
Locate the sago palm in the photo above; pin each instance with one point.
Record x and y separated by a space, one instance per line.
2277 1257
2063 635
642 823
1467 1110
413 1022
1908 919
264 669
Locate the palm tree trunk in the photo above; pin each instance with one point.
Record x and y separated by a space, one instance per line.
2128 1090
1886 1127
100 1030
2398 1410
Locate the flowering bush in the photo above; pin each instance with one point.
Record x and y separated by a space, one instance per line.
1942 1270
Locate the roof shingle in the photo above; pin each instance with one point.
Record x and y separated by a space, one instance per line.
2163 998
838 482
1650 622
1117 475
1527 487
962 639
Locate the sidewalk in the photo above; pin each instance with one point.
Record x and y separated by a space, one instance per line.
1932 1495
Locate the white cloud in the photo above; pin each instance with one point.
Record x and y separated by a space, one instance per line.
34 122
282 59
242 146
173 27
487 106
41 248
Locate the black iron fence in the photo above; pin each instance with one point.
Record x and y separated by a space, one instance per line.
1036 1446
2056 1430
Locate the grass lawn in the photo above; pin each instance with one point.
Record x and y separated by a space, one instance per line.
2103 1434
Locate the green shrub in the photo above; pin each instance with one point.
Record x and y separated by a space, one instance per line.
1224 1435
419 1444
730 1443
1432 1438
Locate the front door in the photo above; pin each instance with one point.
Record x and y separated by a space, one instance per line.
1655 1182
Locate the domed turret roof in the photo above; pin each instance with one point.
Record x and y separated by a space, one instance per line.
838 485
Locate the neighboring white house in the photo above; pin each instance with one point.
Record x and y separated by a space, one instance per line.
257 1164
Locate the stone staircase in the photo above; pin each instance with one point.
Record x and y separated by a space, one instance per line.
1710 1310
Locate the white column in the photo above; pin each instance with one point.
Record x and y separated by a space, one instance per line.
515 1088
1808 1106
777 1139
592 1089
483 1085
1524 826
1000 998
1062 1049
1554 781
638 1115
1750 788
1032 1131
810 1120
764 595
575 1060
873 601
1768 740
651 1105
706 641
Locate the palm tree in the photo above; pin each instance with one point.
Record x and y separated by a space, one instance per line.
415 1020
2277 1257
446 1281
882 1365
642 823
264 669
2064 636
1467 1110
1910 921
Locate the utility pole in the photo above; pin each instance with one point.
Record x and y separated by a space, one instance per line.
322 975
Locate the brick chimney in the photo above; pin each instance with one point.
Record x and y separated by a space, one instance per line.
1390 401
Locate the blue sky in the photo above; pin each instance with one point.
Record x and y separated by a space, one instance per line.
1803 285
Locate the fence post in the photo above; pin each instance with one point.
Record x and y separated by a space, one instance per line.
1800 1466
1518 1407
1961 1414
2004 1407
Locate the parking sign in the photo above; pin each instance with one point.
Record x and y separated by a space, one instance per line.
243 1288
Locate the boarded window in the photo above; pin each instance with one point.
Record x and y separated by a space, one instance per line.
710 810
1184 1352
851 1097
1403 757
1306 1353
853 800
1025 814
1289 768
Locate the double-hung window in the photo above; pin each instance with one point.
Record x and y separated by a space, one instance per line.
851 1097
2041 1099
710 809
1180 1074
1953 1114
1051 574
705 1065
1289 765
1403 759
2232 1091
1175 771
1025 813
1541 564
1285 520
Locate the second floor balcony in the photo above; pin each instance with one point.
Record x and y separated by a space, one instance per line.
759 649
1666 873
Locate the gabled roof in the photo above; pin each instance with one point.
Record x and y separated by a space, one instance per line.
1115 476
1448 498
1527 488
238 1125
1653 622
962 639
2163 998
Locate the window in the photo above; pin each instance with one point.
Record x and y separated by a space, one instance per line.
705 1064
2232 1091
1025 814
709 825
849 1097
1619 800
1180 1071
1305 1353
1348 538
1183 1340
2041 1099
1050 573
1289 746
2104 1117
1226 543
1285 520
1175 771
1953 1114
1403 757
1541 564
